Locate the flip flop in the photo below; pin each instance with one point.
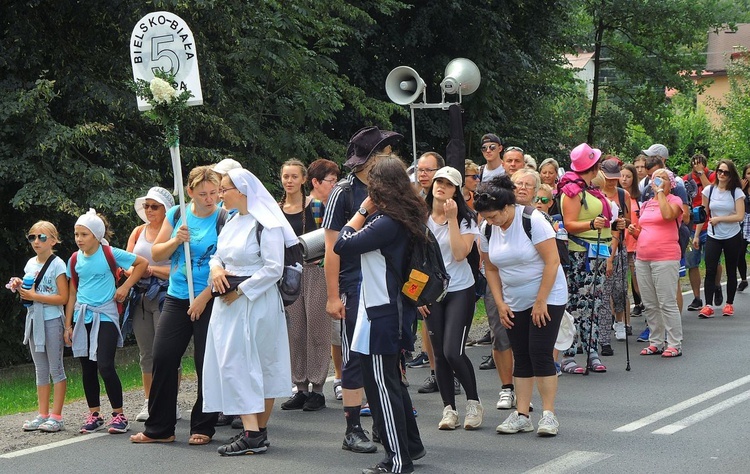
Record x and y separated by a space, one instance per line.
141 438
197 439
569 366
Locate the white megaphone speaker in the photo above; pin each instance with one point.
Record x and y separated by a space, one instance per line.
403 85
461 74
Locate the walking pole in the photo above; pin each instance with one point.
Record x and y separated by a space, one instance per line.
593 300
627 305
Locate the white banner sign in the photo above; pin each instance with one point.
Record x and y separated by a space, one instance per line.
162 40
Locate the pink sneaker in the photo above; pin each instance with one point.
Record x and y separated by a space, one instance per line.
706 312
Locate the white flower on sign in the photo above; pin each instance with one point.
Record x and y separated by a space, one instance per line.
163 92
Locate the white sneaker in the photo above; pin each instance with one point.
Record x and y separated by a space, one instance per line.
548 425
450 419
178 413
474 414
507 399
619 331
515 423
338 391
143 415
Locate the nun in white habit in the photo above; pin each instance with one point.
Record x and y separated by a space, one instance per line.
247 350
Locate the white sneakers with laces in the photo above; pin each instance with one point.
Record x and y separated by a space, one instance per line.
474 415
450 419
515 423
143 415
619 331
548 425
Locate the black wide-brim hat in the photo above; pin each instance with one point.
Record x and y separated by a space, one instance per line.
365 142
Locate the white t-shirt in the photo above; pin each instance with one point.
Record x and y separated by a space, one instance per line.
488 174
48 285
519 262
722 203
460 272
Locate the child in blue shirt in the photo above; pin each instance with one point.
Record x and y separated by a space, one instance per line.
93 301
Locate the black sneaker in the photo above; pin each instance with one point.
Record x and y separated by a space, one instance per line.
244 445
718 297
315 401
696 305
607 350
484 340
358 442
375 435
456 386
488 363
420 361
742 286
237 423
297 402
629 330
637 310
376 470
223 420
429 385
242 433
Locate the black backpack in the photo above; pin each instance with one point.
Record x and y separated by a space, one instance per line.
290 284
427 279
562 245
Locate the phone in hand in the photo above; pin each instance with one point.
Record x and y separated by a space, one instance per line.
658 181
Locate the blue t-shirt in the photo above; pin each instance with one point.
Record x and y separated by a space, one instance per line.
48 285
96 284
202 245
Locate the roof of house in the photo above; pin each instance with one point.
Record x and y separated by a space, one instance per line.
578 61
721 45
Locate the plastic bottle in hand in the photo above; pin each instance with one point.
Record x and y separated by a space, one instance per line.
28 282
561 234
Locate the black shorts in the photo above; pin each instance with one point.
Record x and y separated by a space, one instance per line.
351 373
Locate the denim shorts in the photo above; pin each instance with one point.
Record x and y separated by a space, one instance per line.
693 257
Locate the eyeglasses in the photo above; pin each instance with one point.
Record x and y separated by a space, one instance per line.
492 147
32 237
223 190
514 148
724 172
525 185
330 180
542 199
426 170
473 176
154 207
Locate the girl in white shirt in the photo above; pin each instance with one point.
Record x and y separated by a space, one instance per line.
448 322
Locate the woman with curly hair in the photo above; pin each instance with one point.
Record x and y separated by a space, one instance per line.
381 234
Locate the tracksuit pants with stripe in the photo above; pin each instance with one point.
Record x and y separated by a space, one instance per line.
388 395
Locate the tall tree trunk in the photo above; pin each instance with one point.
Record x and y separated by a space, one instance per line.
597 65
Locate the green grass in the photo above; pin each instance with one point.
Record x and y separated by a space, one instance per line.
18 390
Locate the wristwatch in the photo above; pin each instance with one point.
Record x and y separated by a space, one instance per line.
238 291
362 211
699 173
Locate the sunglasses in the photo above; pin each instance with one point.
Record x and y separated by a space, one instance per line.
154 207
514 148
542 199
492 147
32 237
473 176
724 172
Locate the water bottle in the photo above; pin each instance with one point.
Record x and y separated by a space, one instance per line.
28 282
561 234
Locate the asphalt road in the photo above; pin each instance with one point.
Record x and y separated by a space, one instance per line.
679 415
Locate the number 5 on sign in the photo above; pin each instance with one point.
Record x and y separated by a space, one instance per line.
162 40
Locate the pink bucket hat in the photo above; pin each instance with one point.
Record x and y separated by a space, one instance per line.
583 157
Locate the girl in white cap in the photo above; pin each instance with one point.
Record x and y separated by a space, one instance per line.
93 305
151 290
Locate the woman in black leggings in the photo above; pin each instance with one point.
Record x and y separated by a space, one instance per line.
448 322
725 203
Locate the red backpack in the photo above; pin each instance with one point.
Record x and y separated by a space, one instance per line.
117 273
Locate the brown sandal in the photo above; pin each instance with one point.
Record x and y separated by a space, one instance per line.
142 438
197 439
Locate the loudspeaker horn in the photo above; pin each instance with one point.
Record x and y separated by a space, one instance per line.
461 73
403 85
